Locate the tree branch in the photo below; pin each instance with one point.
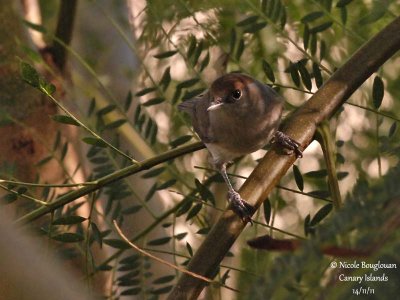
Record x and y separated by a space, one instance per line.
65 25
301 126
108 179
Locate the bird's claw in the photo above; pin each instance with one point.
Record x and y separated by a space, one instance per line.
242 208
288 143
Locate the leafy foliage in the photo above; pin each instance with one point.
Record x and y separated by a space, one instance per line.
294 47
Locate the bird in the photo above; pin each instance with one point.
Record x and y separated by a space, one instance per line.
236 116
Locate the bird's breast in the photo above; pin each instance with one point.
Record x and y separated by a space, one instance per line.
240 134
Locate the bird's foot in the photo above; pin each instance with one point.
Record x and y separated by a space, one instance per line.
242 208
288 143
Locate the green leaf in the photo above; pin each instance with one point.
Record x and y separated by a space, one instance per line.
68 237
191 47
339 143
317 75
145 91
255 27
29 74
137 113
107 109
267 210
282 20
5 118
162 290
305 75
377 12
149 126
64 119
128 282
194 211
10 198
342 175
343 15
64 151
130 259
159 241
392 129
247 21
96 234
268 70
307 225
197 53
153 173
377 92
319 194
36 27
321 214
70 220
166 78
117 244
128 101
240 49
22 190
306 36
232 41
151 192
188 83
32 54
167 184
131 210
294 74
193 93
327 4
46 87
92 106
298 178
322 50
180 141
44 161
104 268
343 3
115 124
165 54
133 291
316 174
276 11
205 62
313 43
186 205
204 192
94 141
312 16
180 236
204 230
322 27
340 158
189 249
164 279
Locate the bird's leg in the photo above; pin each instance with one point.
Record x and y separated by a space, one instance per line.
288 143
242 208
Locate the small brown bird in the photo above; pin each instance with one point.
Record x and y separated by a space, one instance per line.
237 116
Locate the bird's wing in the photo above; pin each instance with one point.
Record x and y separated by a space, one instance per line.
197 109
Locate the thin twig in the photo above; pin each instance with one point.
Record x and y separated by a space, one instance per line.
145 253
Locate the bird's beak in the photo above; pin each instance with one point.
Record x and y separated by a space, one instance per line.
217 103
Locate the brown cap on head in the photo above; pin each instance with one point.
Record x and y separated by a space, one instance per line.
230 82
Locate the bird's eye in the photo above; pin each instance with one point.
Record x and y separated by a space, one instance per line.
236 94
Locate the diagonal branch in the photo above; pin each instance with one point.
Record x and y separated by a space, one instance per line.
108 179
301 126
